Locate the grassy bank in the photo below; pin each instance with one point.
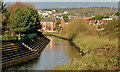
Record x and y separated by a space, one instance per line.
90 43
101 52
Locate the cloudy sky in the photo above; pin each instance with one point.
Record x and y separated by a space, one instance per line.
62 0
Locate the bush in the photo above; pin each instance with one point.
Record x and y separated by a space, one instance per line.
112 29
77 25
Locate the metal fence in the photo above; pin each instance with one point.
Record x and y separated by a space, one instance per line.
16 38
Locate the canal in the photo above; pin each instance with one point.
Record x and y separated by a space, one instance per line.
57 52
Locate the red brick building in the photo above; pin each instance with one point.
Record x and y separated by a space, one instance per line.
48 24
105 20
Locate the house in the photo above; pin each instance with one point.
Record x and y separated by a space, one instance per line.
50 12
44 14
110 18
48 24
65 12
94 22
54 10
105 20
59 13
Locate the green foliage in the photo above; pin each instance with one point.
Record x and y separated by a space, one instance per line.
112 29
57 25
98 17
59 29
25 20
117 14
0 15
65 16
5 18
98 27
101 26
56 10
58 22
91 24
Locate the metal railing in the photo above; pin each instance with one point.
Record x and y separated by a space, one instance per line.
16 38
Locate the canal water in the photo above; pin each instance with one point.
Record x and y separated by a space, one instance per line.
57 52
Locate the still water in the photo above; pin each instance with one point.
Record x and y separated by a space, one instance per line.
57 52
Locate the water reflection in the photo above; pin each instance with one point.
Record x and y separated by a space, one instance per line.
57 52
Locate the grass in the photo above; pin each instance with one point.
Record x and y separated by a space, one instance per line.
89 42
101 54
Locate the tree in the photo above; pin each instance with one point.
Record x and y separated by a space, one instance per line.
26 20
57 26
58 22
65 16
5 18
56 10
0 17
117 14
12 7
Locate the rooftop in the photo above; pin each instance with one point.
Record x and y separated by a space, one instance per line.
47 20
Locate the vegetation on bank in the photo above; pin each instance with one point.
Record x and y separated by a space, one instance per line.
101 47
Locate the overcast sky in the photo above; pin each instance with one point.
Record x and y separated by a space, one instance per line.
42 4
62 0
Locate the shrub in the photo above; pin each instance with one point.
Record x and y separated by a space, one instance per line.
77 25
112 29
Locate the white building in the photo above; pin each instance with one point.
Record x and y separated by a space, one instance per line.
107 18
50 12
54 10
65 12
110 18
39 12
